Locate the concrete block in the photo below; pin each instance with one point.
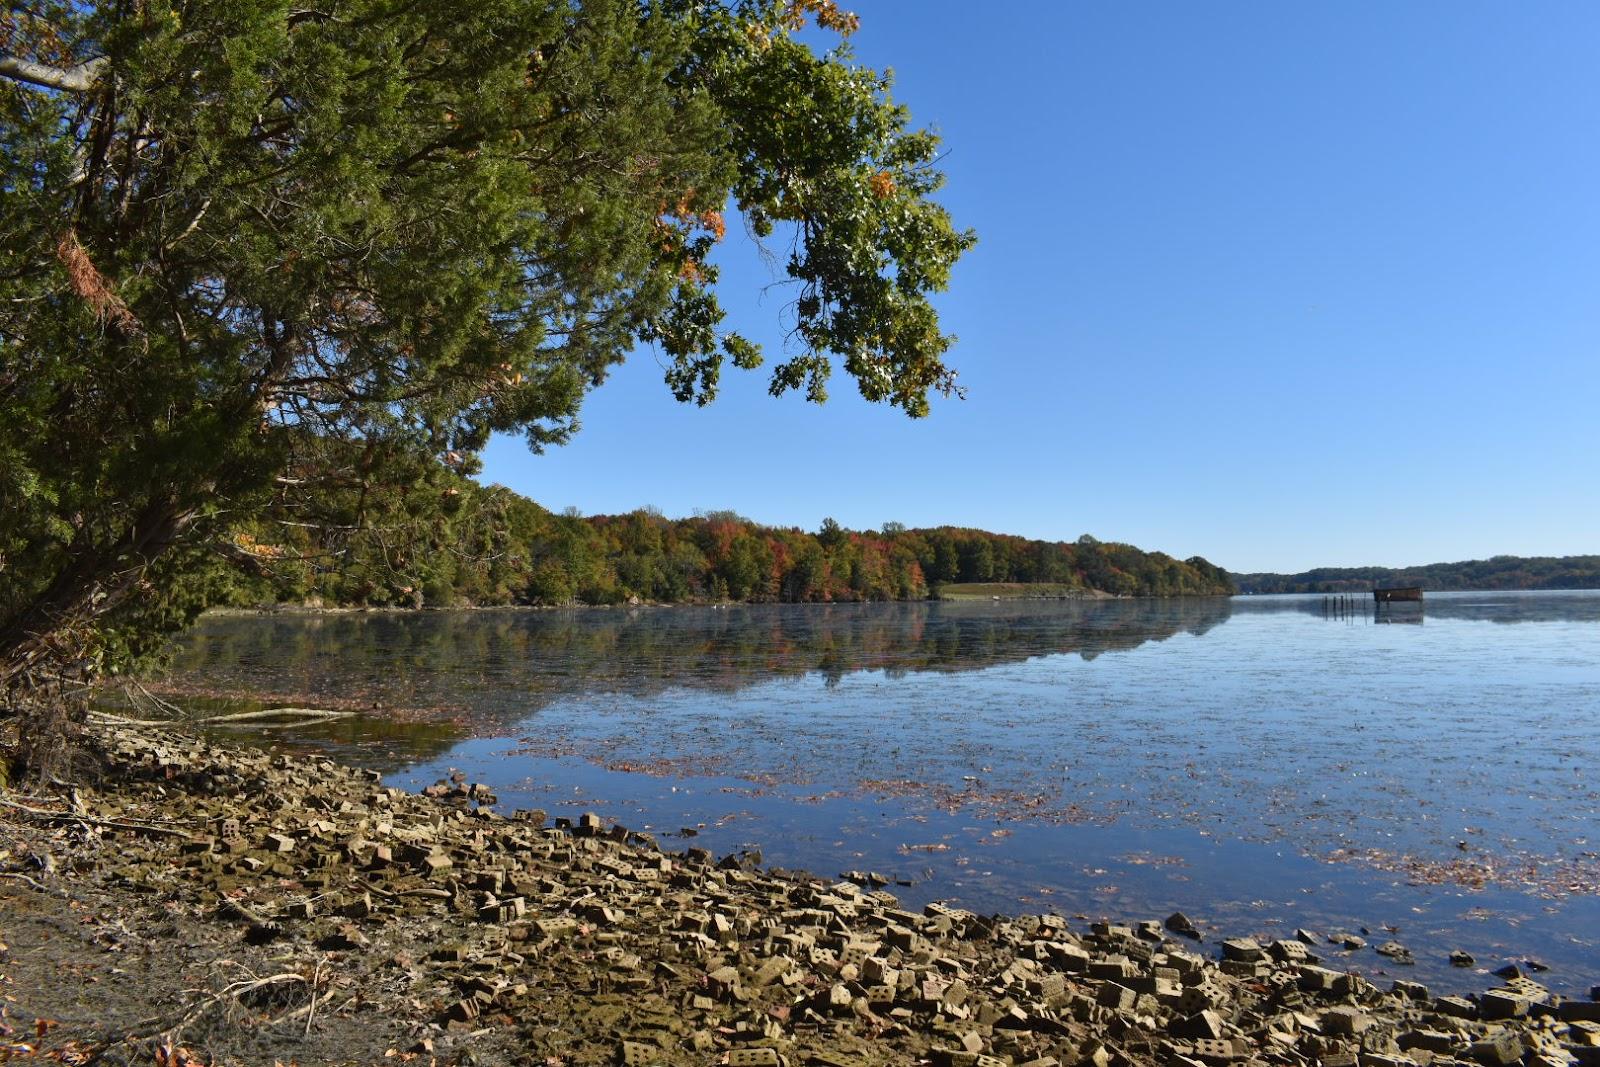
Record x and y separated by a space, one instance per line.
1497 1050
1455 1007
1243 949
1216 1050
1201 1025
1118 997
198 845
1289 951
1115 967
1198 998
880 995
1584 1032
1068 957
1345 1021
1435 1041
874 969
754 1057
1047 986
1381 1059
1528 988
1502 1004
558 927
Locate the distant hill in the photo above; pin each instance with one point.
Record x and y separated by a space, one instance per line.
1498 572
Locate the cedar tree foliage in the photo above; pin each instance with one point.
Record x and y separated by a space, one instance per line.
251 249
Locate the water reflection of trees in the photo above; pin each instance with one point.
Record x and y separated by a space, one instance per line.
1499 607
505 664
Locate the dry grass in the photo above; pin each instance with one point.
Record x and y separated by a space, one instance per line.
1015 591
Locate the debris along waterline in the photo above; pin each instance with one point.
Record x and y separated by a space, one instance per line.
438 924
1094 870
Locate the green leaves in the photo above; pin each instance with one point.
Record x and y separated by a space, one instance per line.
269 235
823 148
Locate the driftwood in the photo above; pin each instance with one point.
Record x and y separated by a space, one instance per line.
85 820
299 715
169 714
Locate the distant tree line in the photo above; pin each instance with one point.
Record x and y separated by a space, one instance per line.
1497 572
447 541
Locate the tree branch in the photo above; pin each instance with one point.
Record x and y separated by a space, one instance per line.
78 79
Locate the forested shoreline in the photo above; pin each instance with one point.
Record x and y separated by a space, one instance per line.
456 544
1497 572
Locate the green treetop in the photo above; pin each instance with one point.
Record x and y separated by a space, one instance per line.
251 248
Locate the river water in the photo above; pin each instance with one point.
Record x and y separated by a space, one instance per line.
1261 763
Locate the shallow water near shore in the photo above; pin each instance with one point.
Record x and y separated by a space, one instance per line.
1259 763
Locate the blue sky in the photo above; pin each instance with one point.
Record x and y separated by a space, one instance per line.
1283 285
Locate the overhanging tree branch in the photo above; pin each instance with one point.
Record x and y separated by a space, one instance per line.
221 265
78 79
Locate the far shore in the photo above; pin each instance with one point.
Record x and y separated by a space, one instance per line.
948 594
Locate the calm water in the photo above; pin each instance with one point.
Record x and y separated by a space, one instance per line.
1255 762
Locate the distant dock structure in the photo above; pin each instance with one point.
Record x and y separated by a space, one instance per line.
1344 606
1394 604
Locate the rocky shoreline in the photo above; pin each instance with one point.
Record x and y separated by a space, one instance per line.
203 904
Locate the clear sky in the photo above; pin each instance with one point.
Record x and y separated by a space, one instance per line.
1283 285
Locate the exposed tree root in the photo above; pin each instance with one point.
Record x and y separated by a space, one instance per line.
170 1027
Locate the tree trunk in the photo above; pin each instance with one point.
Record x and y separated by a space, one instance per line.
52 639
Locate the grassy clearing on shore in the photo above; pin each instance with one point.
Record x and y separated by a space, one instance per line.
1016 591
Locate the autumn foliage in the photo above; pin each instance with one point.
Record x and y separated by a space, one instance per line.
491 546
